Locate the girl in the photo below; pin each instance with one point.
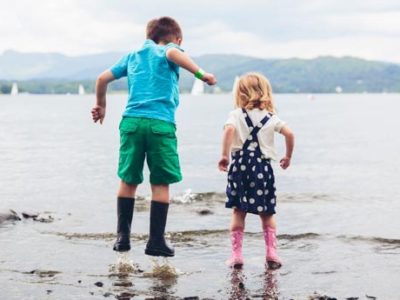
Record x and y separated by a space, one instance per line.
249 136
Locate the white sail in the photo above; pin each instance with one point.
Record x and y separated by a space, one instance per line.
339 89
198 87
81 90
235 84
14 89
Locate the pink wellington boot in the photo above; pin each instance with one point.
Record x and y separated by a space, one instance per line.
273 260
236 260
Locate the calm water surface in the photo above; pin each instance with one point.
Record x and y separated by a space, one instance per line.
338 204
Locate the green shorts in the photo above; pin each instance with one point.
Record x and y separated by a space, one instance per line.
153 140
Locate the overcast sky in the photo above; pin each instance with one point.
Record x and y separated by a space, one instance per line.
262 28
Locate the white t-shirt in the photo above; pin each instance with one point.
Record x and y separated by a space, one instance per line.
265 135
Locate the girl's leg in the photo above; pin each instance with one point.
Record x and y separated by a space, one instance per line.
269 229
125 206
237 222
236 235
156 245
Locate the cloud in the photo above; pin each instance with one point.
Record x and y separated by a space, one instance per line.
262 28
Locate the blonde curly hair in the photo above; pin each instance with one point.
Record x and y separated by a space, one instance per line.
254 91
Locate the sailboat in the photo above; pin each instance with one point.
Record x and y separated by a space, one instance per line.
81 90
235 84
14 89
338 89
197 88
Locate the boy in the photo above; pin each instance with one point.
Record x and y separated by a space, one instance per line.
147 128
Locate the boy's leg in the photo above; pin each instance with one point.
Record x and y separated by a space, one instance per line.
127 190
236 236
156 245
163 162
269 229
131 159
125 206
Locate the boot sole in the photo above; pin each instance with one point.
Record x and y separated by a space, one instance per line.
121 248
273 265
152 252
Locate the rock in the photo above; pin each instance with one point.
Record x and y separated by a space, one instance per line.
99 284
9 216
30 215
205 212
108 294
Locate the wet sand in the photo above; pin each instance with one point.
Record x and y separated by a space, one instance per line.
54 264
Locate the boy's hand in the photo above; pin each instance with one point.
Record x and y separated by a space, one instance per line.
223 164
209 79
98 113
285 162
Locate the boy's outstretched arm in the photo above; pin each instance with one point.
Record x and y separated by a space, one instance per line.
183 60
289 139
99 110
229 133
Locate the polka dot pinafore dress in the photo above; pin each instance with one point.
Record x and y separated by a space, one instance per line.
251 182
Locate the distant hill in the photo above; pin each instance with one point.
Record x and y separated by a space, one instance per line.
57 73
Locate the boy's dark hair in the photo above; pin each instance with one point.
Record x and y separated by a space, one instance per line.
164 29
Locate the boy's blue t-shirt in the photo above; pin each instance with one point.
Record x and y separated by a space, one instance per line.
152 82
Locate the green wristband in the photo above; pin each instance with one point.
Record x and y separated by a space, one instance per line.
199 74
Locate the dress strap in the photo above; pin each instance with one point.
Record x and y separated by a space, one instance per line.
247 118
252 138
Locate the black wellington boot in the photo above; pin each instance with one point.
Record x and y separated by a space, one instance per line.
157 246
125 213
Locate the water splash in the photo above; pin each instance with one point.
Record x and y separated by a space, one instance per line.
124 264
186 197
163 269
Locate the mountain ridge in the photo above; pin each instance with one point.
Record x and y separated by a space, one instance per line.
292 75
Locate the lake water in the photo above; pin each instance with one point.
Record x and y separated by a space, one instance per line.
337 212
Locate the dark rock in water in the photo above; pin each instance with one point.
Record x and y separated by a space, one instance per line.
191 298
205 212
43 273
44 218
317 296
79 281
108 294
99 284
9 216
352 298
29 215
371 297
241 285
49 292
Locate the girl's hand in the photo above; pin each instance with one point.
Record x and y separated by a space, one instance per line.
223 164
209 79
285 162
98 113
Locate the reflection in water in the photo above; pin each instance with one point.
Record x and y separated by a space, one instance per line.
270 285
165 277
238 289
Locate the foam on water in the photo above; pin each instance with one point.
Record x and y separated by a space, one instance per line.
162 269
124 264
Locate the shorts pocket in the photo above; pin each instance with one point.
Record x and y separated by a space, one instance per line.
163 130
128 125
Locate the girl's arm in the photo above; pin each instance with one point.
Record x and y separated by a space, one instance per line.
99 110
289 139
183 60
229 133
